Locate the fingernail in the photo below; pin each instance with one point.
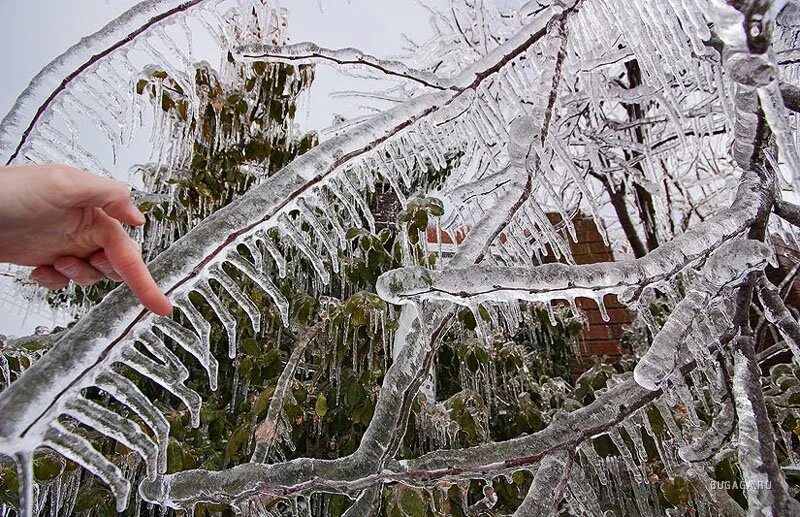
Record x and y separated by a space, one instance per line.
69 270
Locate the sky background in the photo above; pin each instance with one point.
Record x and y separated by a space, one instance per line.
33 32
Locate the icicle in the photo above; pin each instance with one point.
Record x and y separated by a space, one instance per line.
165 377
288 228
264 239
80 450
583 493
198 322
156 346
228 320
263 282
634 431
255 253
117 427
348 187
595 461
778 118
632 466
27 485
250 308
321 233
192 343
380 165
329 214
337 194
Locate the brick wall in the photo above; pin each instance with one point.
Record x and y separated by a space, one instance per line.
599 338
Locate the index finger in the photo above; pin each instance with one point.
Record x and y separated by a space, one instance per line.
124 256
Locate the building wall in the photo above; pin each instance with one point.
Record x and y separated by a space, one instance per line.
599 338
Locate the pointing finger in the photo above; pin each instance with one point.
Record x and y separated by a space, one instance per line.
124 256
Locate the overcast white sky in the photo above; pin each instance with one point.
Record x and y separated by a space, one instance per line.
33 32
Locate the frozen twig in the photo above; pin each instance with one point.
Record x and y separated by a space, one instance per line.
54 79
788 211
767 493
548 485
728 266
311 53
777 314
270 429
560 281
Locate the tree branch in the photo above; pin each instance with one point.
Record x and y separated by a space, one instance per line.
560 281
272 427
548 485
349 475
310 53
767 493
56 77
788 212
730 264
777 314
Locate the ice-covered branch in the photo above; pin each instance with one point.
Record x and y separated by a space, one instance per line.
185 263
560 281
188 260
788 211
272 427
727 266
415 341
767 493
777 314
791 97
548 485
351 474
347 475
483 186
56 77
311 53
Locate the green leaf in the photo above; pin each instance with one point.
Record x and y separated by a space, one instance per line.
237 441
251 347
140 86
174 457
676 490
412 503
355 393
271 364
352 233
263 400
321 407
482 355
47 468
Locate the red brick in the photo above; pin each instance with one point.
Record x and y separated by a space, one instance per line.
620 316
601 348
593 258
602 331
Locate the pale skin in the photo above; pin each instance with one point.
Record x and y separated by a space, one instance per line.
68 225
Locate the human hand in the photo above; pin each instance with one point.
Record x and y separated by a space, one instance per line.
67 224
